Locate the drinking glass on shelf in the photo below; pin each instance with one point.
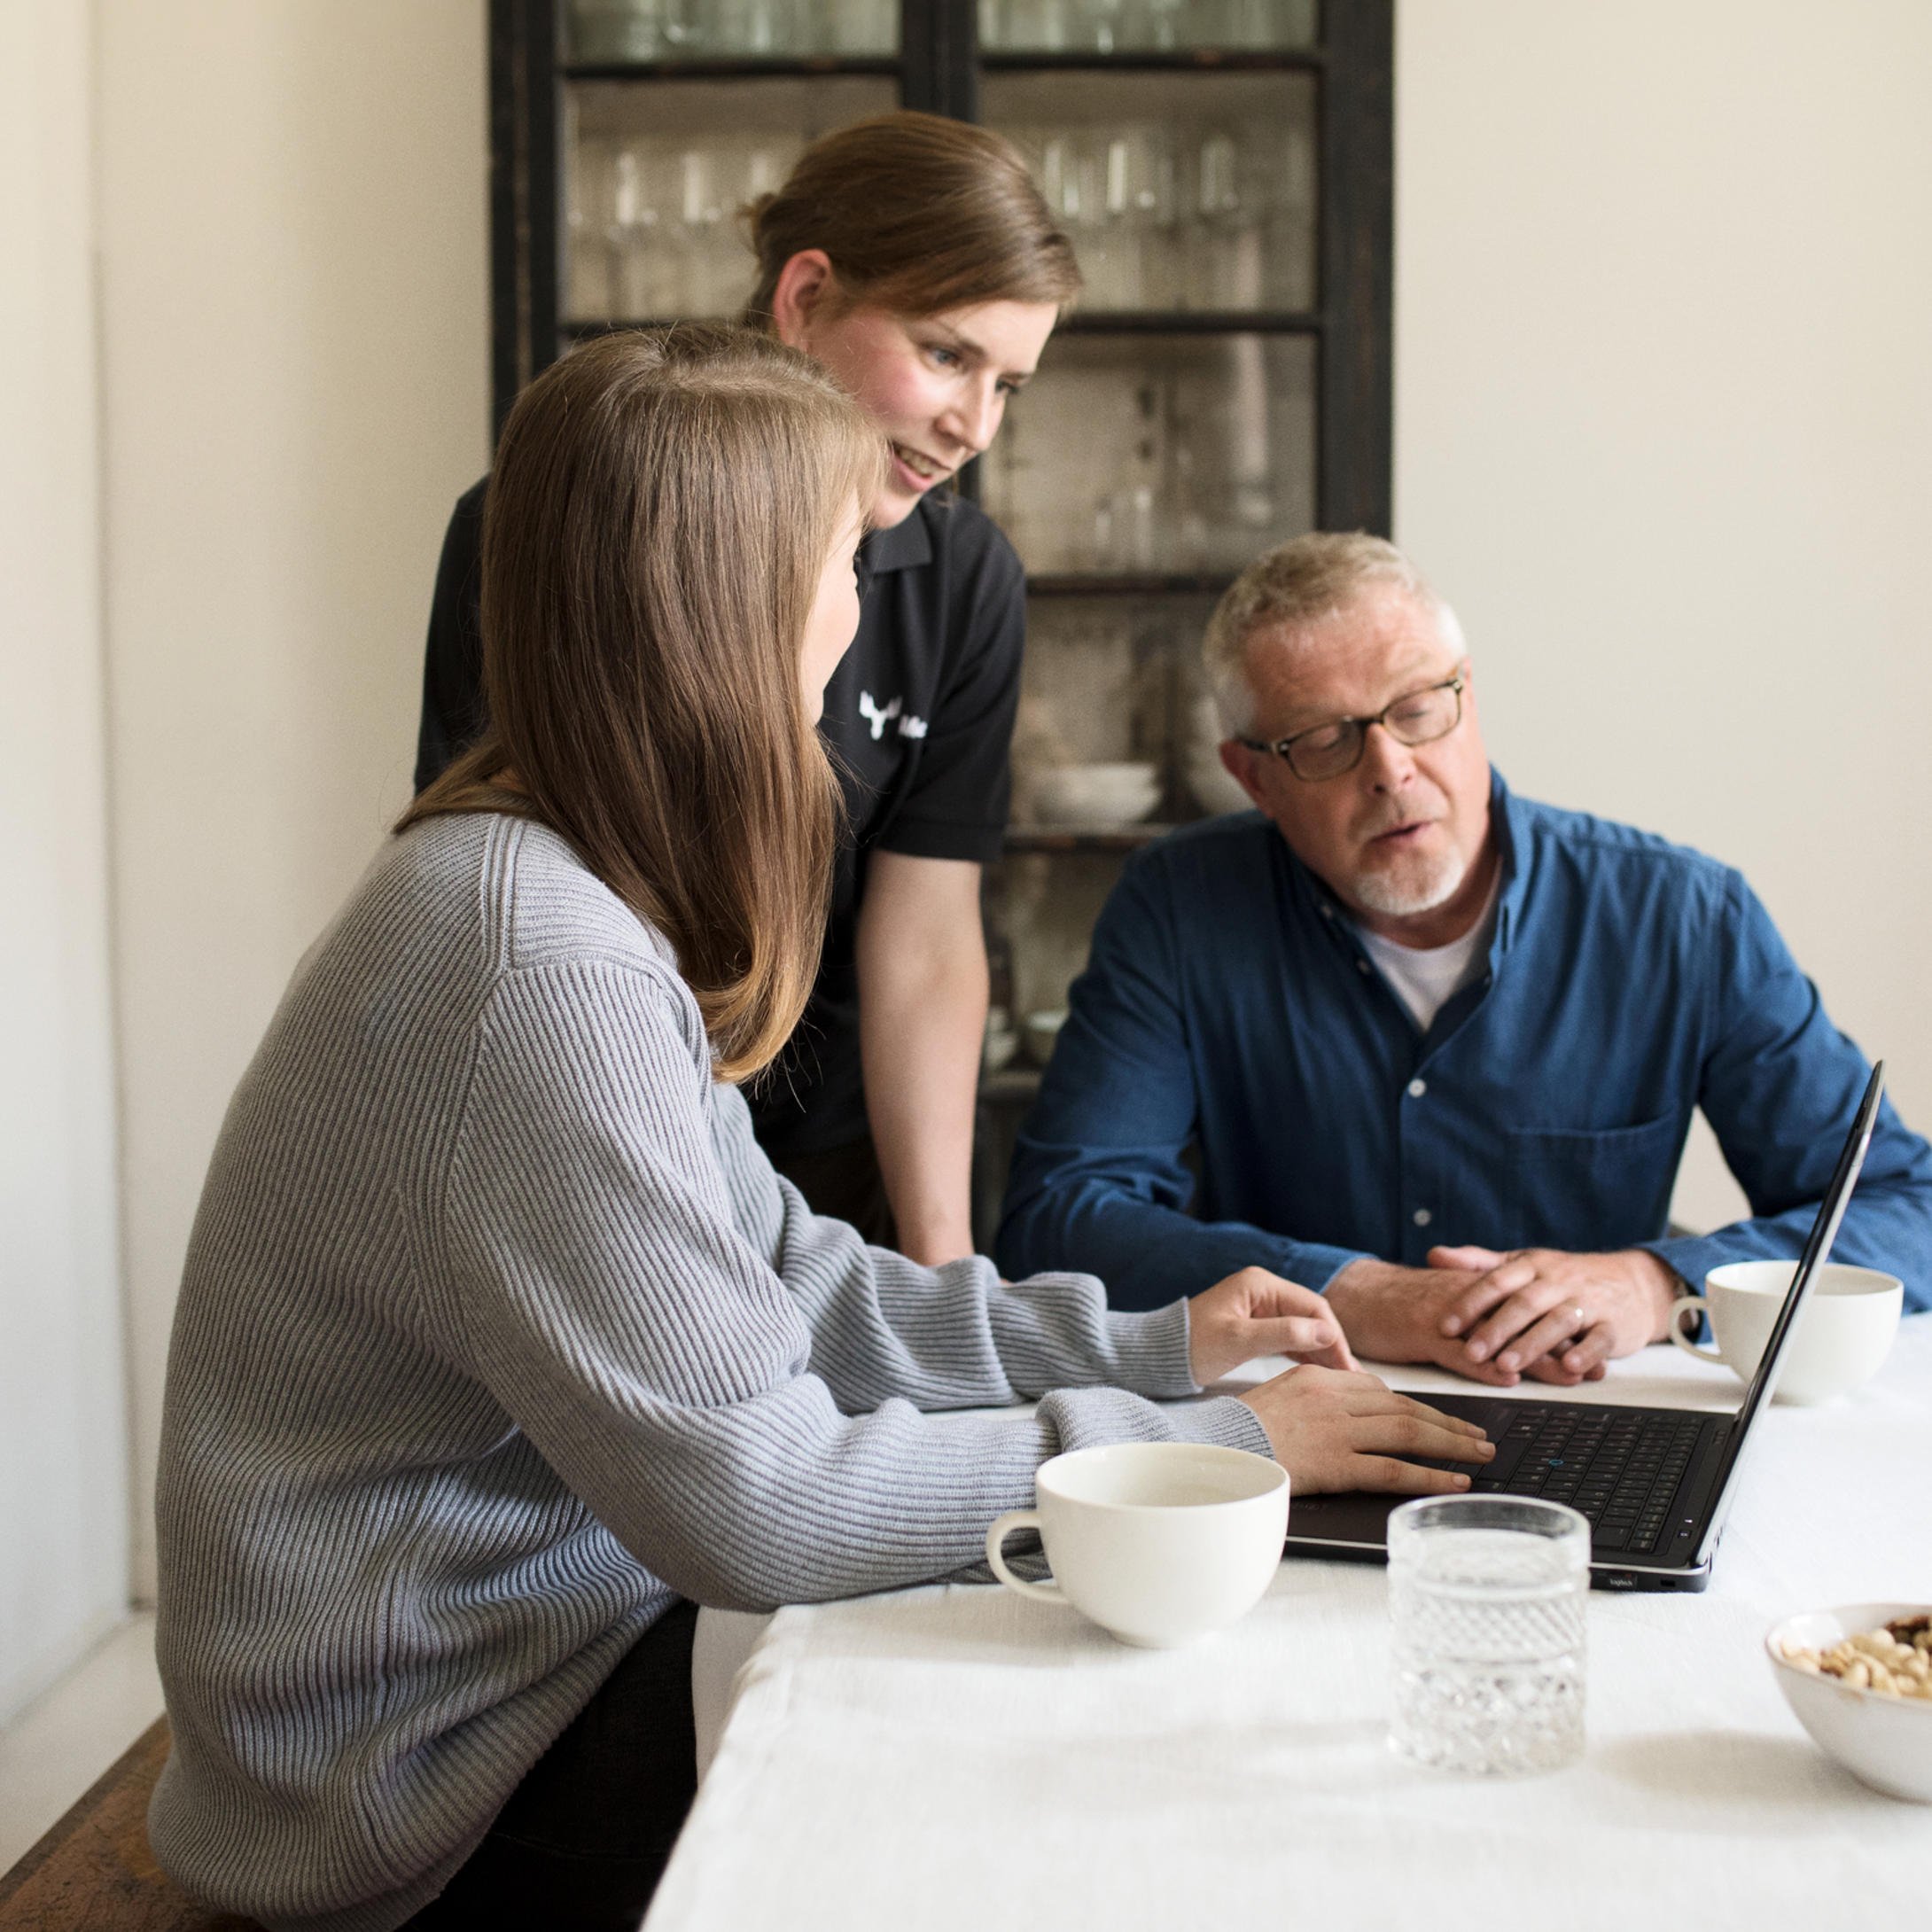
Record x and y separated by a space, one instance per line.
1186 509
1288 216
686 26
1161 27
1037 26
763 28
1225 264
637 284
864 27
767 163
1102 24
589 195
1142 204
617 29
1270 23
695 229
1073 180
1486 1609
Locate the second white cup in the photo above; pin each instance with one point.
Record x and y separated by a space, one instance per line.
1843 1334
1157 1542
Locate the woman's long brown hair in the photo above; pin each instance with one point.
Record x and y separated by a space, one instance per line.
657 523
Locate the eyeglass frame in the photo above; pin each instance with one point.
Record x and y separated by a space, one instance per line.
1283 748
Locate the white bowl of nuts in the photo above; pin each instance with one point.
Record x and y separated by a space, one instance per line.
1859 1679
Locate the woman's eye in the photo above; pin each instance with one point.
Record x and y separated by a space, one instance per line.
946 358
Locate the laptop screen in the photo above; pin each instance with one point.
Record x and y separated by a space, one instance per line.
1831 1210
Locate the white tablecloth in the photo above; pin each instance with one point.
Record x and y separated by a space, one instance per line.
937 1758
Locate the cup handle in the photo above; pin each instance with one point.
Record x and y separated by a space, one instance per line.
1691 1304
1018 1519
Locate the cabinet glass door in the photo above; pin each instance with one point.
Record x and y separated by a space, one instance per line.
694 30
1184 192
1156 455
1126 26
655 175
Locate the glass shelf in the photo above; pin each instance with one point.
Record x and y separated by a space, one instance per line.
1011 1086
1191 322
669 33
631 73
1157 457
1180 191
1083 838
1127 583
1101 29
652 189
1109 680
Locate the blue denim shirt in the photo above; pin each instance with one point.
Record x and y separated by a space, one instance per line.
1230 1006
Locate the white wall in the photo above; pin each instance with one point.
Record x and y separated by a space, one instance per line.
1664 438
295 328
63 1483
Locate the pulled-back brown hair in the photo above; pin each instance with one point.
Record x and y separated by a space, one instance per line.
654 532
917 213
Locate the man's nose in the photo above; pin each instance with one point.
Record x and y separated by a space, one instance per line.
1387 763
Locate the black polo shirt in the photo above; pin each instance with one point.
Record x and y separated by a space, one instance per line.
919 722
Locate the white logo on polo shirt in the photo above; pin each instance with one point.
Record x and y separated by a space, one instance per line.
868 709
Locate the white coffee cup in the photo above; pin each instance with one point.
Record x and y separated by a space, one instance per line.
1158 1542
1841 1336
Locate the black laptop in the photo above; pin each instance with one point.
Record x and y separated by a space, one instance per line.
1656 1483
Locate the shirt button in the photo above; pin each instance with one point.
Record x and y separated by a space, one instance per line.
1417 1088
1361 965
1421 1216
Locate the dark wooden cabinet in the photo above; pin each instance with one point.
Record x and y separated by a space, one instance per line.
1225 167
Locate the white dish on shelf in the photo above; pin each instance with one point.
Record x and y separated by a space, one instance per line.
1097 795
1001 1043
1043 1030
1882 1741
1215 789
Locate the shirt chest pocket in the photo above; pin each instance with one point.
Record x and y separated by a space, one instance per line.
1592 1187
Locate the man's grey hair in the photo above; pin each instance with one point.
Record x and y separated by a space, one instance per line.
1295 585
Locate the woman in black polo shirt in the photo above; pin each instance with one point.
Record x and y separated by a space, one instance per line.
914 258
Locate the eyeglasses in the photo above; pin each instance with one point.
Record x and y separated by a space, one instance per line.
1327 750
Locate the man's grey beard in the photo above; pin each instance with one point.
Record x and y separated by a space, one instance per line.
1380 893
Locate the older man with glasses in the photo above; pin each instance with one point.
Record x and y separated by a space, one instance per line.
1432 1049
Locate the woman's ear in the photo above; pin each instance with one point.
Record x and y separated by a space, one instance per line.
803 287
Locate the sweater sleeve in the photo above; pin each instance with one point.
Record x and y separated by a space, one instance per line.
955 1336
602 1290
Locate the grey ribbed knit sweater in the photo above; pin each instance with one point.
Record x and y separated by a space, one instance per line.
497 1330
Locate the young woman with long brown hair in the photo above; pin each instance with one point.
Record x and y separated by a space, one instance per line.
914 258
499 1336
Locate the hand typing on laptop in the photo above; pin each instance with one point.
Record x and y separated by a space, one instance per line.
1330 1426
1336 1431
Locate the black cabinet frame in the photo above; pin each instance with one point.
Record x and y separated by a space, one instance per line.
937 69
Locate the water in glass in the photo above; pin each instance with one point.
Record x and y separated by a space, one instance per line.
1487 1599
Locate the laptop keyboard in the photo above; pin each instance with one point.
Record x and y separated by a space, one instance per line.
1621 1468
